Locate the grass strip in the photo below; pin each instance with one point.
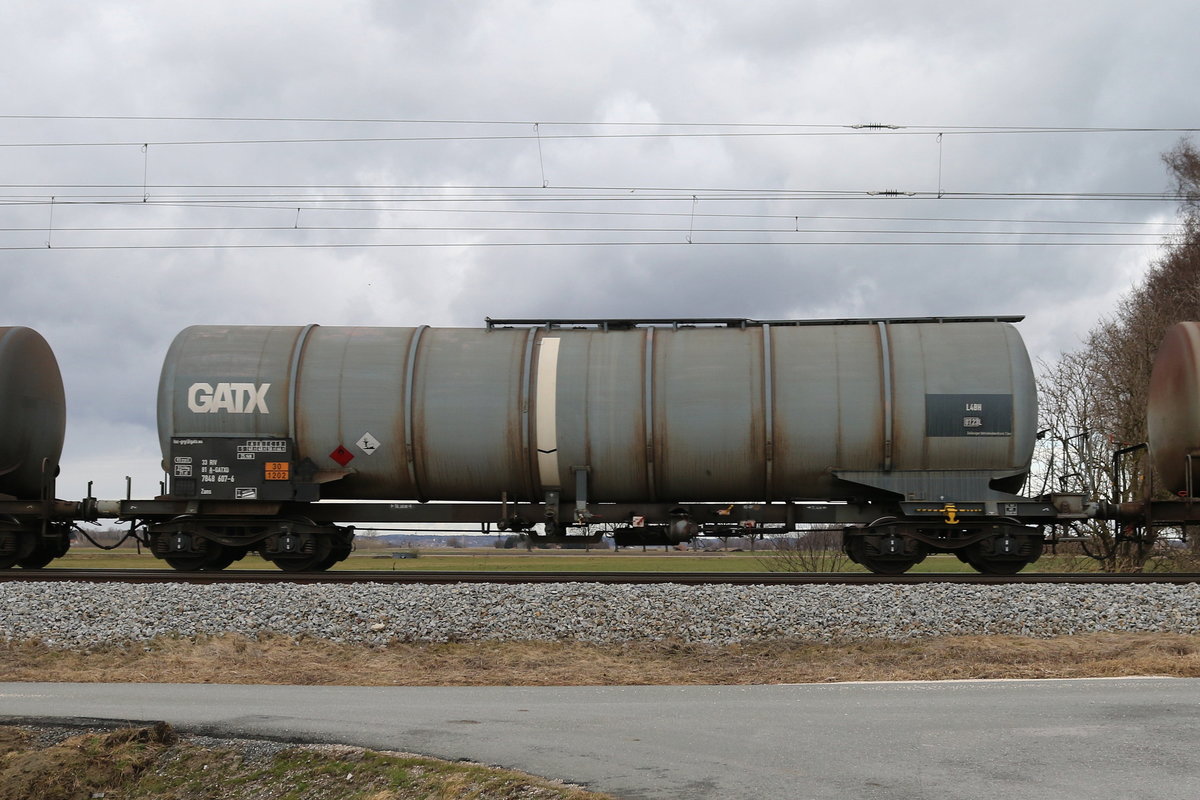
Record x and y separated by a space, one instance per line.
278 660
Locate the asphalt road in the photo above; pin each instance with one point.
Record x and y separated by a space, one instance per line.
1129 738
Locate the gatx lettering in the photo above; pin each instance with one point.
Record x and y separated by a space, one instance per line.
232 398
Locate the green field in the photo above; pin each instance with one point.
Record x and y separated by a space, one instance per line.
489 560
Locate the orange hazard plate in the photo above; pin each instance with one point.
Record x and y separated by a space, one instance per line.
277 470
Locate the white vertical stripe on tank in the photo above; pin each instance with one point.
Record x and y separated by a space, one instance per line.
547 412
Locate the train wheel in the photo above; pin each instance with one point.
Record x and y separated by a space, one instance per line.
340 551
16 543
41 557
227 555
860 552
187 563
889 566
993 566
44 551
989 565
320 559
980 556
216 557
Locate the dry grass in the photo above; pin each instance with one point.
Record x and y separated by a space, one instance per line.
155 762
235 659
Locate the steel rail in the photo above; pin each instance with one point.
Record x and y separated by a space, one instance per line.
688 578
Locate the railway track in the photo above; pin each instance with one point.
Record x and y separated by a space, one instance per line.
689 578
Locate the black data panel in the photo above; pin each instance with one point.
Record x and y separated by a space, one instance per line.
968 414
231 468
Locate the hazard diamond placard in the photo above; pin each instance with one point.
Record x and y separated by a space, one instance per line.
342 456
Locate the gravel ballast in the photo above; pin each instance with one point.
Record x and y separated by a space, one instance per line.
71 615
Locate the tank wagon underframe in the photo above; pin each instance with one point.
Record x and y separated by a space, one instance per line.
885 538
992 536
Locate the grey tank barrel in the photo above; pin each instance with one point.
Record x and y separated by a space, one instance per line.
706 411
33 416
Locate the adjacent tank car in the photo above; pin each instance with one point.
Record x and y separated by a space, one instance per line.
1173 409
33 420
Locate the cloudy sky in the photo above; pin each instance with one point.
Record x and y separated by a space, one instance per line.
404 163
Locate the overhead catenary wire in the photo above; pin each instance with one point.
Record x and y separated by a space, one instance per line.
630 195
637 201
598 123
877 127
542 243
540 137
534 130
208 204
890 229
562 229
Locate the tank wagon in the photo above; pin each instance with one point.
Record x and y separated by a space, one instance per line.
914 434
33 421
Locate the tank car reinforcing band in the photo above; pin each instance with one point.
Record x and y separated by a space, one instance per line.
410 376
294 378
885 364
649 415
547 413
527 432
769 412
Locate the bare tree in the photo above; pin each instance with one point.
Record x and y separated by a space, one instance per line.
1078 439
750 536
1093 400
815 550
